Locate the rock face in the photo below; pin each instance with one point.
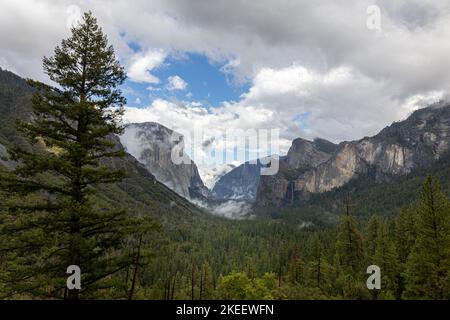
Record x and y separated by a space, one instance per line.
415 142
241 183
244 181
211 175
152 144
302 157
304 153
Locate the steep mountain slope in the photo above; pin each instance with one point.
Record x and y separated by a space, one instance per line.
139 193
303 155
15 102
243 181
240 183
367 196
152 144
415 142
211 175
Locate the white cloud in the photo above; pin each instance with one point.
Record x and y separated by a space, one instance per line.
176 83
274 101
199 124
142 63
339 104
210 175
319 62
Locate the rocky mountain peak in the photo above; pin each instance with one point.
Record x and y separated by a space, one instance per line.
151 144
305 153
243 181
399 148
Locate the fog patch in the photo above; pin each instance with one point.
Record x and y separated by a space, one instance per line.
232 209
305 224
132 143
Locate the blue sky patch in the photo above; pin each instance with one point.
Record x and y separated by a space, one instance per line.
206 83
302 119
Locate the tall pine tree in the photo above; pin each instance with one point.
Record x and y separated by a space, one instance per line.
386 258
404 238
370 237
319 266
349 244
349 257
296 269
428 265
51 221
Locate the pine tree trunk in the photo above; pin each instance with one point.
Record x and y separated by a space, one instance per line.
192 282
136 266
173 287
201 284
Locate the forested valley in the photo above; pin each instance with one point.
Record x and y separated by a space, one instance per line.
70 195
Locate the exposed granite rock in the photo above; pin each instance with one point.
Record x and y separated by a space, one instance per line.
243 181
302 156
240 183
152 144
415 142
308 153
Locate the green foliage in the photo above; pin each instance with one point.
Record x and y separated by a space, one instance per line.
373 197
371 236
351 286
386 257
349 246
428 265
296 269
238 286
68 196
405 233
319 268
51 221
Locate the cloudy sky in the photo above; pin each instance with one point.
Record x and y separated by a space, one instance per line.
330 69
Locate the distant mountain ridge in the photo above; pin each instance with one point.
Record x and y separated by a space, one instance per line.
240 183
309 168
243 182
303 155
399 148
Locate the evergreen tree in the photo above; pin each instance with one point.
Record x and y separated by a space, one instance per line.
138 244
349 258
386 258
404 238
371 236
296 269
51 222
349 246
250 267
207 282
319 266
428 265
405 233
